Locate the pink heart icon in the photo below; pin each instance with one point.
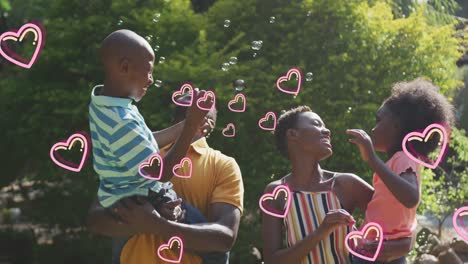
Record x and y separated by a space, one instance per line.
179 166
149 163
363 234
272 197
81 138
205 98
265 119
295 91
13 35
228 129
169 247
185 88
235 100
459 214
424 137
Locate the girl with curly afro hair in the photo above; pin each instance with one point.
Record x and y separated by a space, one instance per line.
412 106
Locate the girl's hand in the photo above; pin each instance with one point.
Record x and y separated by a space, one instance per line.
364 142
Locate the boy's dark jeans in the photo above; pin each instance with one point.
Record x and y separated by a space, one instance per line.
192 216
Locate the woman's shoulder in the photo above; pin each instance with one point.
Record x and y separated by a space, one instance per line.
341 177
272 185
352 191
349 180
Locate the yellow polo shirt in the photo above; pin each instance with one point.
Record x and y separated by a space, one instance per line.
216 178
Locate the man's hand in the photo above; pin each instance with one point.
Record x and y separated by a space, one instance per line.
364 142
172 210
137 215
195 115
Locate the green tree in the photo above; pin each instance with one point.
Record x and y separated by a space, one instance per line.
446 189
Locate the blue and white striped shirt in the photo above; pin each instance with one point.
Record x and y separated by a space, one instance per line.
121 141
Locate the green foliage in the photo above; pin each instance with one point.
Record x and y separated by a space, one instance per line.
5 5
446 189
437 11
355 50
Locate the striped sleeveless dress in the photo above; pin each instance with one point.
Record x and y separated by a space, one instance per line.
306 213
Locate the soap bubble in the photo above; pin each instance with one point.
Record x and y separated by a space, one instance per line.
120 22
162 60
257 44
272 19
227 23
309 76
158 83
225 66
156 17
233 60
239 85
156 48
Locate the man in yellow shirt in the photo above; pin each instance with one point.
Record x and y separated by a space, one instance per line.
215 188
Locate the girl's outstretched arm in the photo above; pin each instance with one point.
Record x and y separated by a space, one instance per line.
404 186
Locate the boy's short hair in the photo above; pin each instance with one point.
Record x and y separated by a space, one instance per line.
418 104
286 121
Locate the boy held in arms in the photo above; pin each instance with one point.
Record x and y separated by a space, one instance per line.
121 139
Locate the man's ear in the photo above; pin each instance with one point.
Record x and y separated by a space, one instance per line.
124 65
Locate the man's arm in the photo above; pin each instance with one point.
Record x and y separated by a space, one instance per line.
169 135
102 221
218 235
